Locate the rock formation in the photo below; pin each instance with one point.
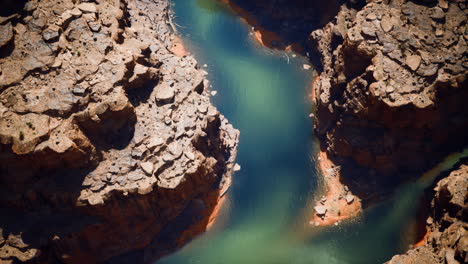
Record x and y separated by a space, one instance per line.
389 95
447 225
390 99
106 135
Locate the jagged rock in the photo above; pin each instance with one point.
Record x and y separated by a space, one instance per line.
413 62
147 167
349 198
447 241
87 7
76 12
51 33
386 23
320 210
6 34
155 142
79 97
164 93
438 13
402 68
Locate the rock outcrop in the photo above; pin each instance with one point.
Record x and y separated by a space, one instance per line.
390 95
447 225
106 135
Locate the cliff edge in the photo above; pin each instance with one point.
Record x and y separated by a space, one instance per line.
106 129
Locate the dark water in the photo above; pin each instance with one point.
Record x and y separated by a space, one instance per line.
265 95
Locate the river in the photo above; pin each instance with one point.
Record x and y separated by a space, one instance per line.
265 94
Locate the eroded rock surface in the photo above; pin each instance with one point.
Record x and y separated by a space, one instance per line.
106 135
447 225
390 95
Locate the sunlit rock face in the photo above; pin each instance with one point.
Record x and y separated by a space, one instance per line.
390 93
106 135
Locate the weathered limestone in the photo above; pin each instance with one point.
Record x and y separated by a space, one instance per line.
101 142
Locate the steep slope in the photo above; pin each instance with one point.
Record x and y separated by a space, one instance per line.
107 132
447 225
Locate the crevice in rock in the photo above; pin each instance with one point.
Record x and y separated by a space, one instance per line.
11 7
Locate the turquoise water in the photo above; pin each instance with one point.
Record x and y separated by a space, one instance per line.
265 95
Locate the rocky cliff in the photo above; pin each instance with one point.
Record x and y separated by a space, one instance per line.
106 129
390 92
447 225
390 103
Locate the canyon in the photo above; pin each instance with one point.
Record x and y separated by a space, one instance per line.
388 100
112 152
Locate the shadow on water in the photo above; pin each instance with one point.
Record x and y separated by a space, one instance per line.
264 95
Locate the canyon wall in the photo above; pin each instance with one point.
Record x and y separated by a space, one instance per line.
106 129
390 94
391 103
447 224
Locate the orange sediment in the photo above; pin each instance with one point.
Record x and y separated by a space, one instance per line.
338 209
214 202
423 240
313 93
178 47
264 37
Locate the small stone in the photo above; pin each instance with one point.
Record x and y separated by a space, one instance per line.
437 13
175 149
147 167
306 66
349 198
429 220
439 32
386 24
167 120
164 93
30 6
320 210
155 142
443 4
203 108
94 26
51 33
371 16
135 176
212 111
190 155
413 62
389 89
213 93
97 186
6 34
76 12
167 157
237 167
87 7
368 31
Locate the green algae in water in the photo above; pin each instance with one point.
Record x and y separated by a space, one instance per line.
264 95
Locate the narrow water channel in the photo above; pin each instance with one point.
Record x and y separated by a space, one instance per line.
264 94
